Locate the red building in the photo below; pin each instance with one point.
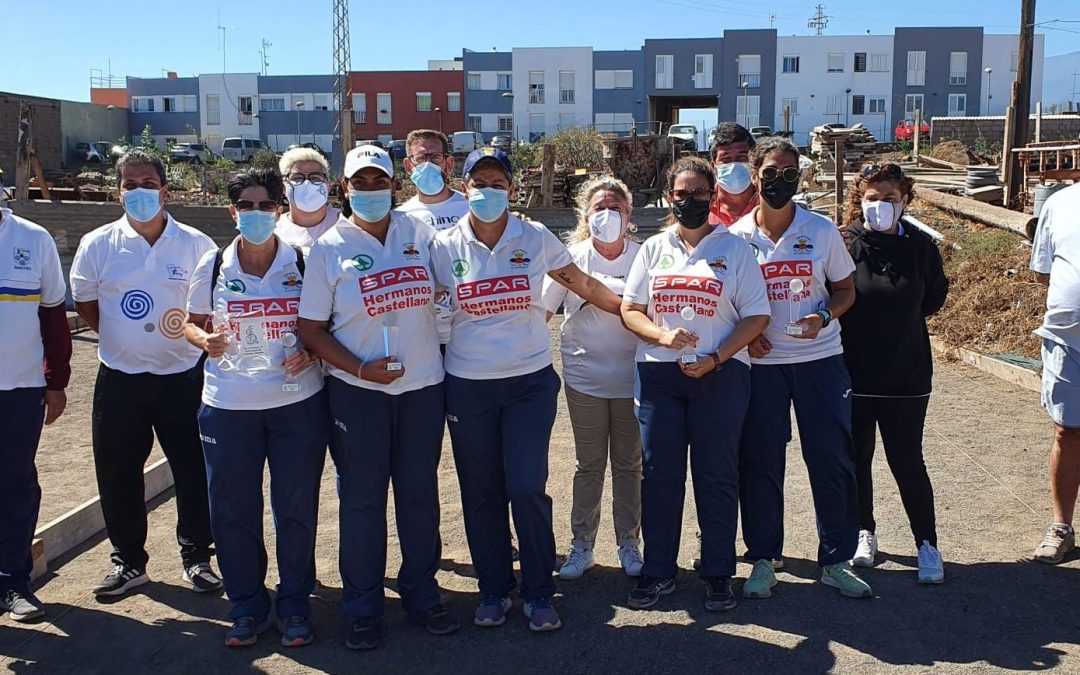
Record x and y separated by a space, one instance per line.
390 104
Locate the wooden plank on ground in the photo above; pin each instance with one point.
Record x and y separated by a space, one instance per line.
987 194
1013 374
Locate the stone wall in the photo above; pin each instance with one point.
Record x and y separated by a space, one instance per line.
968 130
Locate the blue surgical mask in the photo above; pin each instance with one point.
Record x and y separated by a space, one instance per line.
256 226
142 204
488 204
370 206
428 179
733 177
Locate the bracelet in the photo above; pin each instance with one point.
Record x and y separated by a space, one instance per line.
717 363
826 316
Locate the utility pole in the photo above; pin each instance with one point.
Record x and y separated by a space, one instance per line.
343 131
772 19
1021 103
819 21
264 56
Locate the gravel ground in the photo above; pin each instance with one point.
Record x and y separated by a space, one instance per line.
986 446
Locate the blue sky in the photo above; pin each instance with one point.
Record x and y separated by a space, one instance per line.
51 45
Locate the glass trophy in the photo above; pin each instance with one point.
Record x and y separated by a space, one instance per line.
390 341
288 344
687 354
253 345
795 289
220 322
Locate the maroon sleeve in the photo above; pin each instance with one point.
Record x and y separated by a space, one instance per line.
57 340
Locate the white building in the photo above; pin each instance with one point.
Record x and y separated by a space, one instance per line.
230 102
1000 55
553 89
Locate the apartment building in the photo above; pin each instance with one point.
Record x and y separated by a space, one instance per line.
489 93
389 104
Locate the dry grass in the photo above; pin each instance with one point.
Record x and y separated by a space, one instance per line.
951 151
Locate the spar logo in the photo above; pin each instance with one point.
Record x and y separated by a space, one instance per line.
363 262
268 307
459 267
516 283
393 277
708 285
787 268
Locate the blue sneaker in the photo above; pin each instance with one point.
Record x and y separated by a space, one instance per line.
492 611
245 631
295 631
542 616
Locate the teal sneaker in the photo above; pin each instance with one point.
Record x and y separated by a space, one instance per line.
840 576
761 580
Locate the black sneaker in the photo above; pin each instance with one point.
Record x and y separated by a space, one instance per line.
121 579
21 606
648 591
202 578
436 620
718 594
364 635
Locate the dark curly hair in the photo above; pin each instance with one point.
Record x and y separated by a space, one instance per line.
885 173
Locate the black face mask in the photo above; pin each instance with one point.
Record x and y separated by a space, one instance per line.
779 192
691 213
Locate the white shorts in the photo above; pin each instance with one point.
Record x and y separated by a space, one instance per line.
1061 383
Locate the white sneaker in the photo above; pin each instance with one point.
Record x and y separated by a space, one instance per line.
867 550
577 561
931 567
631 560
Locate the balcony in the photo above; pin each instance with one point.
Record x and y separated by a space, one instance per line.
957 79
359 117
566 96
749 80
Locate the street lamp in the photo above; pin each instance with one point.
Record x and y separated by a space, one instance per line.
298 105
745 101
510 95
439 110
988 72
847 108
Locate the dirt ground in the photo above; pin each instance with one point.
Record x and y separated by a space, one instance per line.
986 447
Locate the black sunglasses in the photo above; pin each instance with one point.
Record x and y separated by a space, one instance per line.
890 171
262 205
790 174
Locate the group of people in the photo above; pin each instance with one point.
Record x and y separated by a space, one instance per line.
368 329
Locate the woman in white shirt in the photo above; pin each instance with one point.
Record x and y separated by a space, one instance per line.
598 379
307 187
696 299
262 402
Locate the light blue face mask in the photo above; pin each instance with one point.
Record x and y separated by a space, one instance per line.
370 206
142 204
256 226
488 204
428 178
733 177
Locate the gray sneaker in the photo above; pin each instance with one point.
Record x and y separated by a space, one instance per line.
21 606
1059 540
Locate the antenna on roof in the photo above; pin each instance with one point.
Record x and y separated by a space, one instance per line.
264 56
819 21
772 19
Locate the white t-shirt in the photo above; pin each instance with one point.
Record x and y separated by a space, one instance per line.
719 280
361 286
304 237
440 216
276 296
812 249
1056 251
499 326
597 351
141 292
30 277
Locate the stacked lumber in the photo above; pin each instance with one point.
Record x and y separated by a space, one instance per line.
860 146
564 186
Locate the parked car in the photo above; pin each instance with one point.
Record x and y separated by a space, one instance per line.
94 152
687 133
397 149
760 132
464 142
312 146
239 149
196 153
905 130
504 143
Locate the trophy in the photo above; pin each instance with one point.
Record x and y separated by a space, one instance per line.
390 338
687 354
793 327
288 344
254 346
220 323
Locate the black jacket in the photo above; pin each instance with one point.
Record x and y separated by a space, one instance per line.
899 281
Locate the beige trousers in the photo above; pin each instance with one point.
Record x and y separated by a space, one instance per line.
605 426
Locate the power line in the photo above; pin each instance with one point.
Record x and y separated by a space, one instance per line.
819 21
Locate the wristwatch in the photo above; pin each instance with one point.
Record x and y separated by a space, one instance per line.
717 363
826 316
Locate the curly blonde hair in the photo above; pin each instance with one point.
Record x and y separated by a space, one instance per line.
585 194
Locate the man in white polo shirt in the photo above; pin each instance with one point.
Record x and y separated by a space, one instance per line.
307 187
130 282
35 331
1055 259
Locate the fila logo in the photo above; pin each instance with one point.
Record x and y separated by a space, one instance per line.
787 268
683 283
268 307
393 277
477 289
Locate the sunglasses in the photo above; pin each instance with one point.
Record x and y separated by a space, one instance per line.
771 174
890 171
249 205
697 194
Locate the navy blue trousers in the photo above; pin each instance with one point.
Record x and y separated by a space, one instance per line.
676 411
238 444
377 439
501 430
821 392
21 416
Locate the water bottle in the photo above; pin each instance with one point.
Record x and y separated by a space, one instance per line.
288 344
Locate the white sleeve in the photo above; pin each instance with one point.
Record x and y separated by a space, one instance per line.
637 280
751 298
553 294
556 255
84 270
1042 248
838 262
53 286
317 296
200 298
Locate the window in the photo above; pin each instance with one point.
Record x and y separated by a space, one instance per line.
858 105
536 86
567 120
748 111
1014 61
750 70
191 103
877 105
474 122
472 81
624 79
566 86
835 63
423 101
834 104
385 113
244 105
168 104
453 101
505 81
957 105
536 127
789 104
142 104
604 79
275 104
213 109
912 102
958 65
791 64
916 69
359 108
323 101
665 65
879 63
703 71
506 124
860 62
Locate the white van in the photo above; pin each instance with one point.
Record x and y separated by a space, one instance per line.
240 150
464 142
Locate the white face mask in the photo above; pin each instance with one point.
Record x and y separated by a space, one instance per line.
606 226
881 216
308 196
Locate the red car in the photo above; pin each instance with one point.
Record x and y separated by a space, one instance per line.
905 130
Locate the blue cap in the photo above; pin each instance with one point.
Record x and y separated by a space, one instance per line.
488 154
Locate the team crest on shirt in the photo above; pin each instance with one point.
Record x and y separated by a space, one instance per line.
292 282
459 268
666 261
411 251
363 262
520 259
235 286
21 258
176 272
719 264
803 245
